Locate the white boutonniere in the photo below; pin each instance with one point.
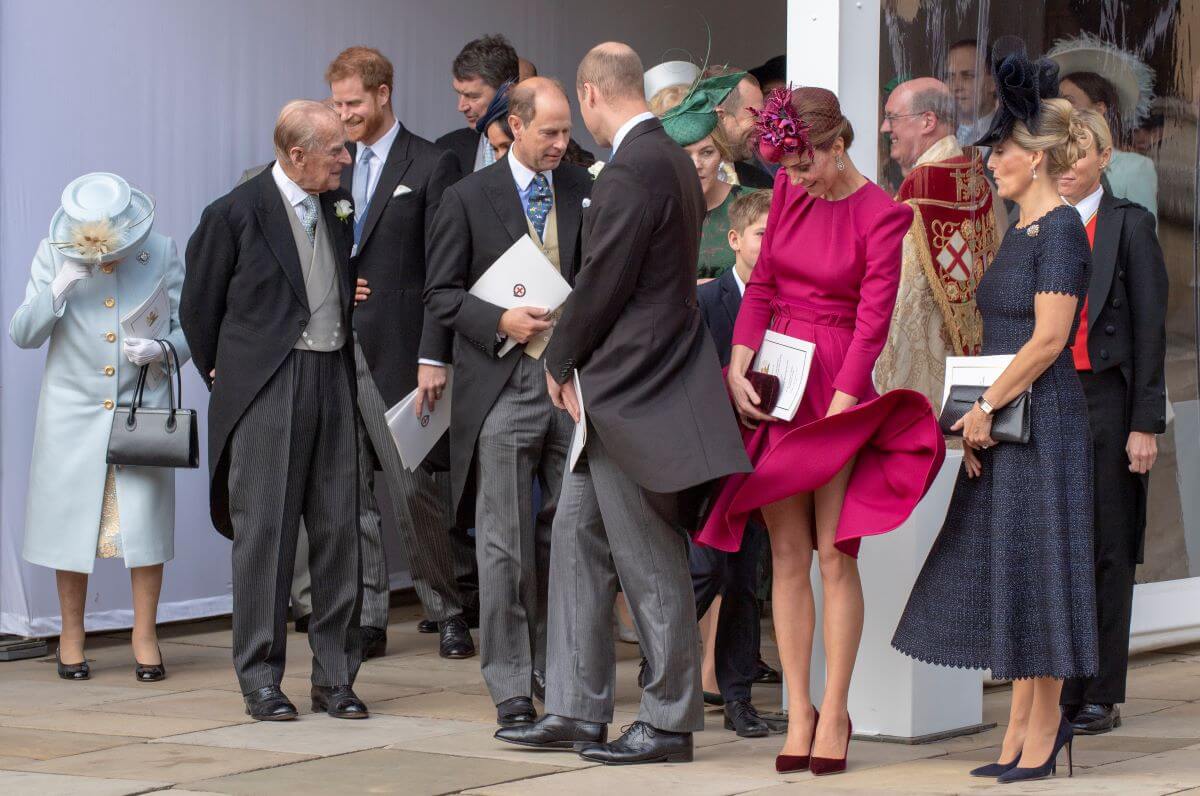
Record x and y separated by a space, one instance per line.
343 210
596 168
586 203
401 190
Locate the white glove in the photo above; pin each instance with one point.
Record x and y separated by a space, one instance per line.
72 271
141 351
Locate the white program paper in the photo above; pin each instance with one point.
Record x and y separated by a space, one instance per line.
973 371
150 320
522 277
579 437
415 436
789 358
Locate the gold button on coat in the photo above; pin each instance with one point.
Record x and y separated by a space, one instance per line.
111 337
107 268
108 404
110 303
110 370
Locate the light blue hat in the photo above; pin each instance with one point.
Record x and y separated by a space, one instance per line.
101 218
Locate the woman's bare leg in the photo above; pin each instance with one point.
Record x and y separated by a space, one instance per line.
72 596
790 525
147 585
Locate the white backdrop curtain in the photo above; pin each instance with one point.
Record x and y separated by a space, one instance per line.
179 97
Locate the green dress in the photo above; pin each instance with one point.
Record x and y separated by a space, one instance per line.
715 255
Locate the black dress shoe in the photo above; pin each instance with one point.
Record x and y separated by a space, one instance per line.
150 673
711 698
456 639
269 704
338 701
374 642
302 624
471 615
1096 719
518 710
555 732
766 675
72 671
539 685
742 718
642 743
427 626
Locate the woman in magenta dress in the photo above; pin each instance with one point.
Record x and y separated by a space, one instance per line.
851 463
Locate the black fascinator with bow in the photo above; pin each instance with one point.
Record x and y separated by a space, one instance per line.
1021 85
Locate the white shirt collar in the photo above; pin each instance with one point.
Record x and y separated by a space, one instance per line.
629 125
737 278
523 174
1089 204
383 146
290 190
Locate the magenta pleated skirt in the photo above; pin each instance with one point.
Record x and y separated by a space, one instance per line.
893 439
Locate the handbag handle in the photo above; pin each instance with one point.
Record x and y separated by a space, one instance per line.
171 357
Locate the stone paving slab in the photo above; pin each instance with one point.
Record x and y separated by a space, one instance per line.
379 771
226 707
103 722
479 743
655 780
45 744
319 735
169 763
22 782
26 696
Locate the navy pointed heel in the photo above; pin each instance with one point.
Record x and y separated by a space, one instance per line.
1065 737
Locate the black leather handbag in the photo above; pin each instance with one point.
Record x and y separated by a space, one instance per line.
1010 423
152 437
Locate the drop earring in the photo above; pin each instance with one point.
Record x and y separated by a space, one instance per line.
841 164
1033 174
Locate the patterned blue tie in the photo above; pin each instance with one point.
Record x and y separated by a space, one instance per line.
310 217
540 200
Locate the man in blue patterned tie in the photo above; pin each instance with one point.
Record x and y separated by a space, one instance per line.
504 432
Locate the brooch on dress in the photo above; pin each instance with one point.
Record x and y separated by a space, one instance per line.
1032 230
143 257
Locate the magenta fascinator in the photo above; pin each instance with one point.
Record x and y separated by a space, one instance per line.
779 129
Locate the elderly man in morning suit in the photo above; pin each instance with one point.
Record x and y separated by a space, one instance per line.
504 431
266 311
659 424
954 237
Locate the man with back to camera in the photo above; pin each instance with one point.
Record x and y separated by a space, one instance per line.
659 423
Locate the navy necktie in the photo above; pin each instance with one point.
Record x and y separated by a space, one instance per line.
540 200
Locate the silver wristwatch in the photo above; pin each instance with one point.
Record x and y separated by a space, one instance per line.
985 407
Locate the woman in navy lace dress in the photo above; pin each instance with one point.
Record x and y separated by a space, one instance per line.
1008 585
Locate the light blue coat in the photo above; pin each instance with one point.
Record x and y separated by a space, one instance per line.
87 375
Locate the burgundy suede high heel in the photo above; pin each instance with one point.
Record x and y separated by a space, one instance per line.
820 766
785 764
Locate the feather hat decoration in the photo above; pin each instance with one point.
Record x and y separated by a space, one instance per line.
1021 85
1129 75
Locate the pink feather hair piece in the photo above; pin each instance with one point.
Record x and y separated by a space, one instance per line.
779 129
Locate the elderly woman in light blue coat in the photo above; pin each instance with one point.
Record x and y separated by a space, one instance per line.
79 508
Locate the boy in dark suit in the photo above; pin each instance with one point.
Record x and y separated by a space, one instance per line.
733 576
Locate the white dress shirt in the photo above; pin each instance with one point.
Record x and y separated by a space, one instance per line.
629 125
1089 204
290 190
484 155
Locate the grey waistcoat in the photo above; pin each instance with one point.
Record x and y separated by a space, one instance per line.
324 330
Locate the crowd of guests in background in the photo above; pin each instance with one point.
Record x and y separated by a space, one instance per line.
336 280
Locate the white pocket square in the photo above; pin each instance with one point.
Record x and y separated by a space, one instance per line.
401 190
587 203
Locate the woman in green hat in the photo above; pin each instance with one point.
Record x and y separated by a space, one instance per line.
689 116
